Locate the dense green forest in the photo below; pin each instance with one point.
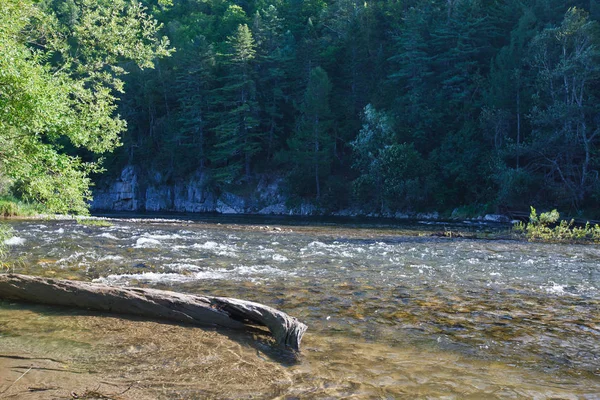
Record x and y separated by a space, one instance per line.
392 105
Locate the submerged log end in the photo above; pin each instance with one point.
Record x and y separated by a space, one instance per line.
294 335
286 330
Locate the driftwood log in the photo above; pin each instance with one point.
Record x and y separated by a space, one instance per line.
154 303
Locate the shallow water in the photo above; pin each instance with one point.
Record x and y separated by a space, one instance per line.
391 313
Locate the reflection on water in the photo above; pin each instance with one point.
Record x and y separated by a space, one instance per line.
389 315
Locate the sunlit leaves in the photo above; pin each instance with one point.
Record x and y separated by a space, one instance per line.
57 91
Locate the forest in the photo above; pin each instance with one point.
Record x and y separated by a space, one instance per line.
392 105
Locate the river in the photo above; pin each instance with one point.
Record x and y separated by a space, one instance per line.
392 312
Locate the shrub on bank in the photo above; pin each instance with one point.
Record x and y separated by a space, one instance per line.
549 227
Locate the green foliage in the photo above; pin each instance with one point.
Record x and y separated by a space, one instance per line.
312 142
12 207
94 222
564 117
548 227
386 105
237 140
6 233
8 209
59 80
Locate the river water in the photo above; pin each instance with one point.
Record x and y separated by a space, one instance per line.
392 311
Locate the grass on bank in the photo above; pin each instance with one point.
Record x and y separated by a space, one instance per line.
94 222
13 207
548 227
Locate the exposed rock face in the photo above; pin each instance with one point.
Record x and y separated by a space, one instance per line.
229 203
121 195
129 194
150 192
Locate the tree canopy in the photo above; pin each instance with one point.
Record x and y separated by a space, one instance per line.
390 106
60 73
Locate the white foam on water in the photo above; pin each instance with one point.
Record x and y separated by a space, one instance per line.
262 249
79 259
240 272
555 288
15 241
144 242
108 236
257 270
182 266
219 249
280 258
320 245
60 231
146 277
316 248
111 258
172 236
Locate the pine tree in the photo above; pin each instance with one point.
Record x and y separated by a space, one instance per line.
311 145
194 82
271 75
234 111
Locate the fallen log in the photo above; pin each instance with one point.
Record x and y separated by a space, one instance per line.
154 303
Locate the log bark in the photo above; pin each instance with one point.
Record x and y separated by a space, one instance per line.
154 303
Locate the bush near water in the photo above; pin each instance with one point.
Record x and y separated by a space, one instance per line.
548 226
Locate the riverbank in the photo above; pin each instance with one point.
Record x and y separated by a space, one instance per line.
137 191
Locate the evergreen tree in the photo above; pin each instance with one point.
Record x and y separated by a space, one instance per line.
311 145
272 79
194 83
234 111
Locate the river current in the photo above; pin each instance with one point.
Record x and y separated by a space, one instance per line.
392 311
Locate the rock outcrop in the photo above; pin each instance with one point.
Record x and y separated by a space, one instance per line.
134 192
151 191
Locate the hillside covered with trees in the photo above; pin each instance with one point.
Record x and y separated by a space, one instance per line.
393 105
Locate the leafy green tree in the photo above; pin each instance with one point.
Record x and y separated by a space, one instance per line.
233 17
375 136
393 176
565 119
58 88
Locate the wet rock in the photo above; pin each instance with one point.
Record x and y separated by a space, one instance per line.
121 195
275 209
229 203
400 215
429 216
158 198
496 218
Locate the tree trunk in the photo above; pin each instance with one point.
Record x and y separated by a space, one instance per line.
154 303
